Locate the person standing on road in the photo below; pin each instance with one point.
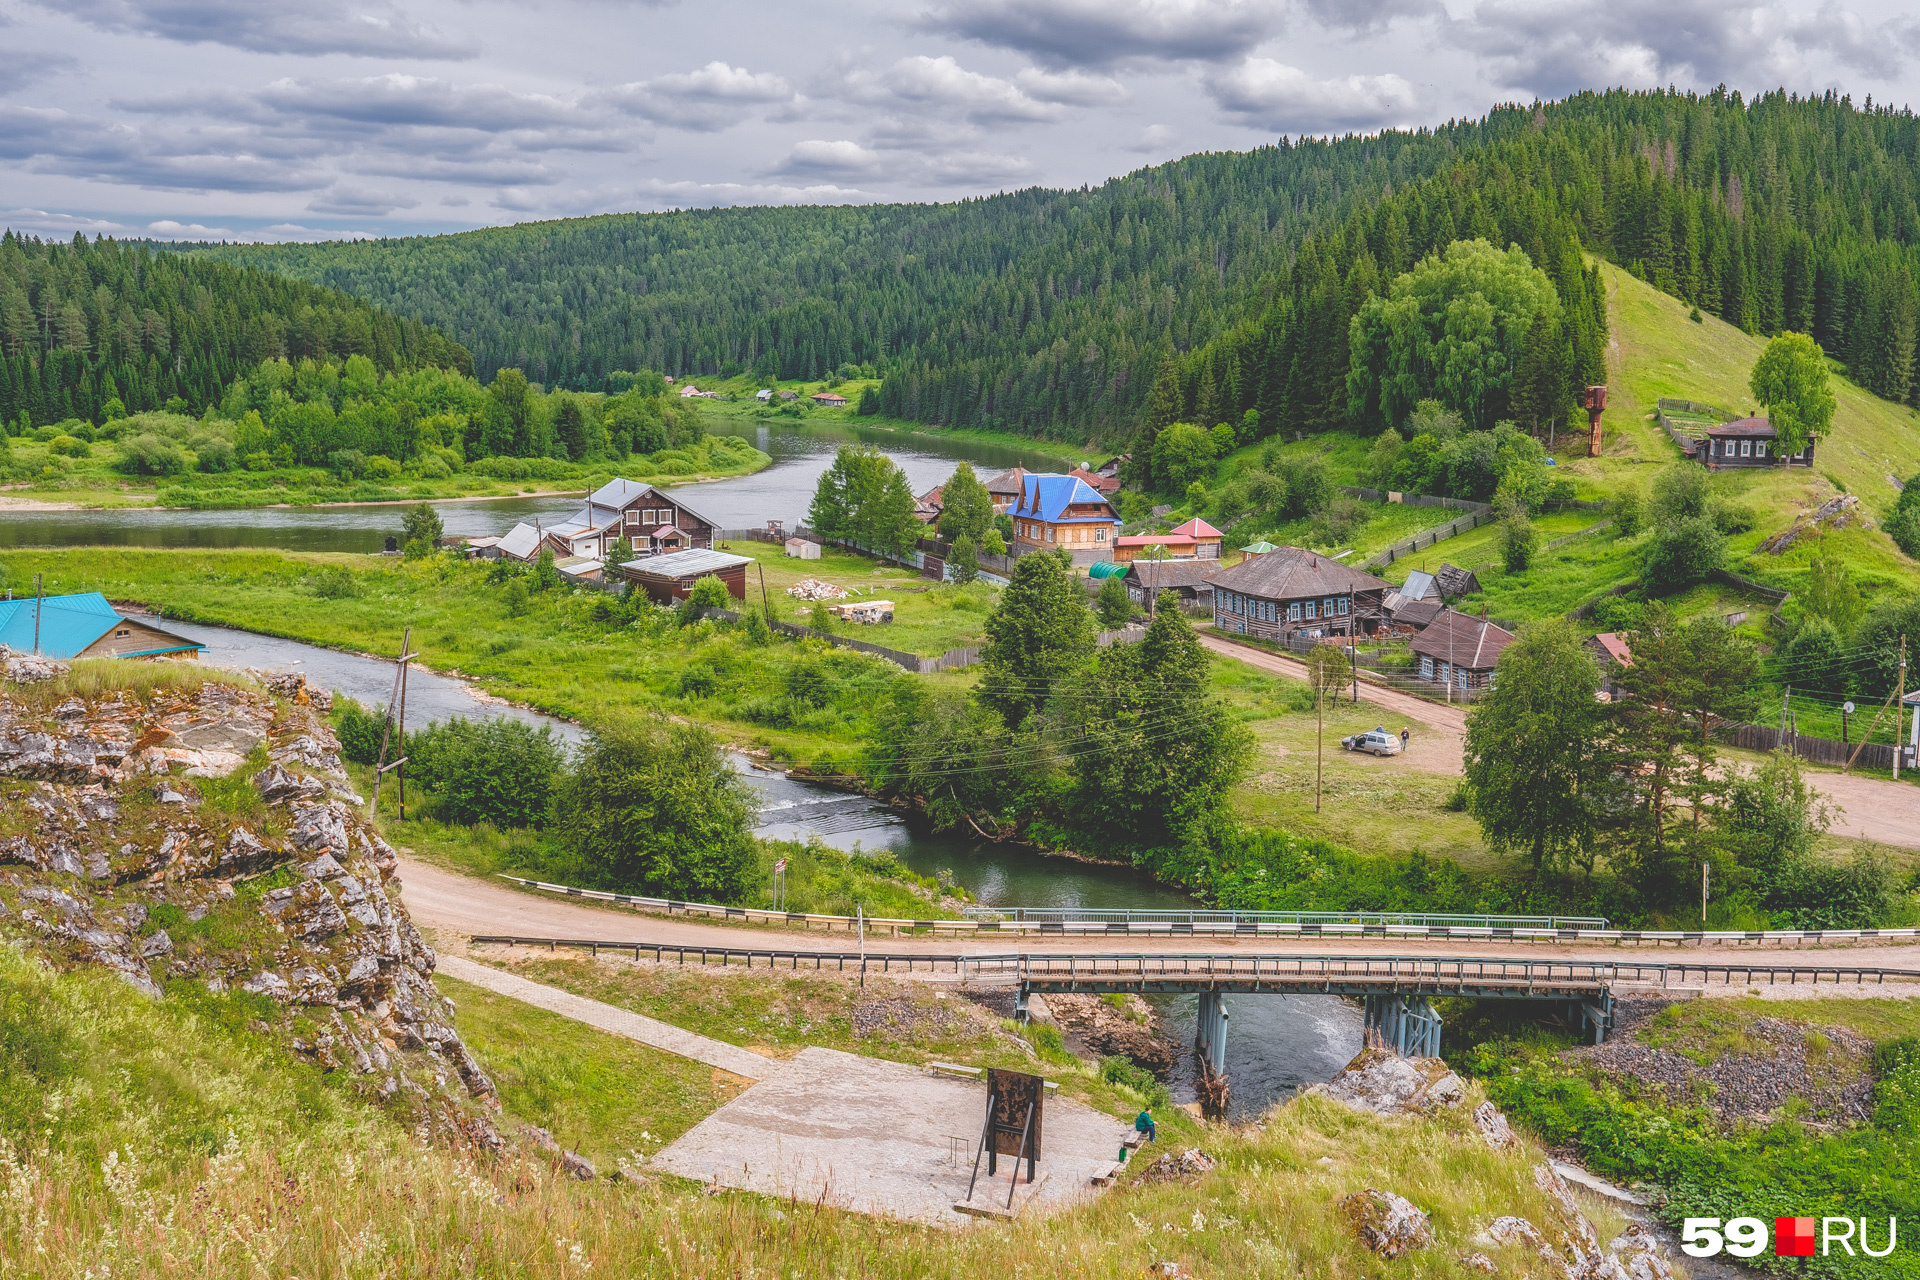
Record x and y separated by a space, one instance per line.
1404 735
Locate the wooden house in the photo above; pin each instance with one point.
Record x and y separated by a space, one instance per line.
1190 580
653 521
1459 652
1747 442
1056 512
829 400
1611 655
1141 546
669 579
1107 485
1005 489
85 626
1455 582
1292 591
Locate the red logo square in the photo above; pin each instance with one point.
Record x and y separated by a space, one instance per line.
1793 1237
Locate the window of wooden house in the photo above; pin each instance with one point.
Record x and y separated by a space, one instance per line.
1293 612
1100 535
1746 448
1760 448
1426 668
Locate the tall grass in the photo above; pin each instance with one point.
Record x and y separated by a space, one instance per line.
163 1139
99 677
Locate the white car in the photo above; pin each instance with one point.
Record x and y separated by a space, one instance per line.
1375 741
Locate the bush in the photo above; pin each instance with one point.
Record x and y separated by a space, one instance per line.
334 582
68 447
151 455
501 771
358 730
1680 554
653 807
1124 1072
1627 513
381 467
1904 527
518 599
1732 517
213 454
1518 540
1113 604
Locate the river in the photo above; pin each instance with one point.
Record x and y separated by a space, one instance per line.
781 491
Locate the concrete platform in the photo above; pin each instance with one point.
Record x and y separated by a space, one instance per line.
874 1137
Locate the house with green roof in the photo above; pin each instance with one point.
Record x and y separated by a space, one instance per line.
84 626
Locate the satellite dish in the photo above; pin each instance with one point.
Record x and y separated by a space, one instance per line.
1847 707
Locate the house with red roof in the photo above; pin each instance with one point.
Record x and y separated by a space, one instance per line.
1106 485
1206 538
1611 655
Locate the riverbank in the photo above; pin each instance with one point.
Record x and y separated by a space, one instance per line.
90 481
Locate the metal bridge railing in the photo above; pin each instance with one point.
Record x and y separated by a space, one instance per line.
1276 972
1235 919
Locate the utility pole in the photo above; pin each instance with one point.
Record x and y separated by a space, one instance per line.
39 595
1900 709
396 704
1704 865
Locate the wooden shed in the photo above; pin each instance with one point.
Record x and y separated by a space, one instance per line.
669 579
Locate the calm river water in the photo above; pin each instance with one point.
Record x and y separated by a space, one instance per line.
780 492
1276 1043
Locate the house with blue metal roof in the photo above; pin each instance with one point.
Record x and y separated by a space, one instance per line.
84 626
1058 512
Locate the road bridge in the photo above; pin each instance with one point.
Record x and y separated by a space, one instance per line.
1398 990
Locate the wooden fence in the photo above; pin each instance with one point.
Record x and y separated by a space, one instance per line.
1426 538
1875 755
951 660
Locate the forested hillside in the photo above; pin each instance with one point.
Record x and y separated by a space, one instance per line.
1055 310
84 325
1037 310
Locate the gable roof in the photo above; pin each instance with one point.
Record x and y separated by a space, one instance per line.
1198 529
1616 647
1292 573
1105 484
1047 497
1417 613
1418 586
1173 573
1464 641
68 624
1008 481
522 542
1455 581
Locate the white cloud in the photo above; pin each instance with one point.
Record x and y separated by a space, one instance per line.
942 85
46 222
1370 15
712 98
1074 86
272 26
842 157
1091 33
345 198
1284 99
1155 139
704 195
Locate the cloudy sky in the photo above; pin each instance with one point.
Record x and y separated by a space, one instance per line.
272 120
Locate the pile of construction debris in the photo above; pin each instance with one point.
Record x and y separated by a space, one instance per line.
815 589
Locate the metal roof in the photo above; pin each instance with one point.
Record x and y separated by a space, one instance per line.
520 542
68 624
1473 643
1417 585
1292 573
685 564
1196 528
1616 647
1047 497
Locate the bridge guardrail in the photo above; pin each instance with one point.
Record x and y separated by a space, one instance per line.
1220 916
1280 971
1243 924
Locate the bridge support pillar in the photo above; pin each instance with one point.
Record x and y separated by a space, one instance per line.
1406 1025
1210 1033
1592 1017
1020 1012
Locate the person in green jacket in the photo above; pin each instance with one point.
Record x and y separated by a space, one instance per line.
1143 1123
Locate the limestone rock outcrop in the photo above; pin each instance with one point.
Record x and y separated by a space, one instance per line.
130 846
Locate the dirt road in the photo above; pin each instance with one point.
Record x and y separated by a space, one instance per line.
1874 808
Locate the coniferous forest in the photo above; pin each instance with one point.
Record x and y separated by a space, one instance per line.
85 324
1225 280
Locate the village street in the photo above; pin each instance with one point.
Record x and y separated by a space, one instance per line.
1870 808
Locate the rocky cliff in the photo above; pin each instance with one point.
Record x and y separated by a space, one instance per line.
176 826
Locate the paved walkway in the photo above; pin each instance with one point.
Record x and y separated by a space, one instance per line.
621 1022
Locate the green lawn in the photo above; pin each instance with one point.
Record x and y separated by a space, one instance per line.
929 618
602 1095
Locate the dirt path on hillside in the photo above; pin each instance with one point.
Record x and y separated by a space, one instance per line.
1874 808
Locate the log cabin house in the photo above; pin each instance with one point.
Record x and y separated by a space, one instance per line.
1291 591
